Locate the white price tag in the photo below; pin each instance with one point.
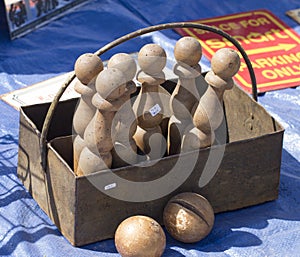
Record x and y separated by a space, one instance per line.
110 186
155 110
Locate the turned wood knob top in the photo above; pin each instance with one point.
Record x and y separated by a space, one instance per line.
87 66
125 63
111 83
225 63
148 80
188 50
85 90
186 71
152 58
217 82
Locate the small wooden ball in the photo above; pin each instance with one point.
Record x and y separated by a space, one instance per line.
152 59
87 66
140 236
225 63
125 63
188 217
188 50
110 83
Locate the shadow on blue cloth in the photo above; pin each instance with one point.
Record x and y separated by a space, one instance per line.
14 196
20 217
22 236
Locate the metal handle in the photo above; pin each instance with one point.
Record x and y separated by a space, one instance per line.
53 105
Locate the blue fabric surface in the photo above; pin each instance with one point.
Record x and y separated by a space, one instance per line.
270 229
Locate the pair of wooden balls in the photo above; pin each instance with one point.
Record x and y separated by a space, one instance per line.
188 217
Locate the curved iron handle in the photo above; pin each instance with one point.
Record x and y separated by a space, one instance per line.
53 105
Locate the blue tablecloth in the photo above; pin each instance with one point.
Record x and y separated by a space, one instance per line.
270 229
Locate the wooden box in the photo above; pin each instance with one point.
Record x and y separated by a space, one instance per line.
248 173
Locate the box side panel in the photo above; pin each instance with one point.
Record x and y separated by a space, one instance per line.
29 168
61 123
61 194
54 190
248 174
245 117
98 214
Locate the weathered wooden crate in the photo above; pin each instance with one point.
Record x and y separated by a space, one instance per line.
247 174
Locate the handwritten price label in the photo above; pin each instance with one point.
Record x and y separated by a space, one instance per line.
155 110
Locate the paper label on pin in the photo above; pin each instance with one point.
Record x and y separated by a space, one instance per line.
155 110
110 186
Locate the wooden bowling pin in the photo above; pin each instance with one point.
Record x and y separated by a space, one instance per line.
148 106
124 123
98 136
185 96
209 114
87 67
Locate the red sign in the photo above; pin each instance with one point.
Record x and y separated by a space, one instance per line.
272 47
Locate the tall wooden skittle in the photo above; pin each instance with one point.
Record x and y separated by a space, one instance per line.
124 123
86 67
185 97
209 114
98 137
148 106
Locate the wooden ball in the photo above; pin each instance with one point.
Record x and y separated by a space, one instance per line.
225 63
152 58
110 83
87 66
188 217
140 236
188 50
125 63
